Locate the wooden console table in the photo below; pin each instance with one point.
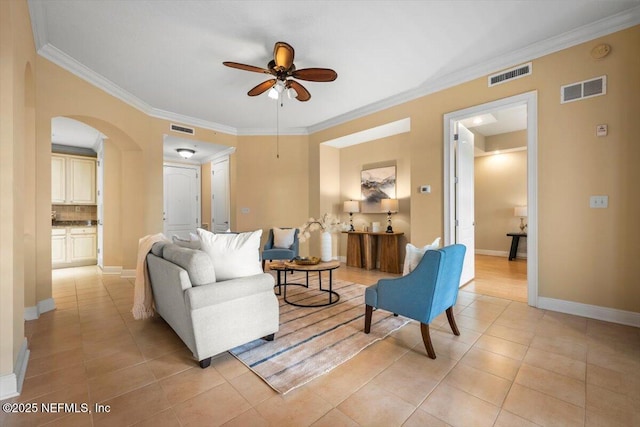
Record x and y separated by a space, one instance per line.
515 239
362 250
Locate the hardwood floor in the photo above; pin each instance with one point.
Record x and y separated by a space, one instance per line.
499 277
495 276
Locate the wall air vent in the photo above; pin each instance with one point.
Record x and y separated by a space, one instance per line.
182 129
510 74
583 90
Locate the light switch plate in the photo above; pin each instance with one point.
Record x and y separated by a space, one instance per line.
599 202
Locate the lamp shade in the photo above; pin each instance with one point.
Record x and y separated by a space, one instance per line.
520 211
351 206
389 205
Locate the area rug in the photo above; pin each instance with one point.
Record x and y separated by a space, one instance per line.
313 341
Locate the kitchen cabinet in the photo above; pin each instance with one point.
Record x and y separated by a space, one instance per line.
58 245
83 244
73 246
73 180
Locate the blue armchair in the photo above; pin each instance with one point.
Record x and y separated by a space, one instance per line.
270 252
430 289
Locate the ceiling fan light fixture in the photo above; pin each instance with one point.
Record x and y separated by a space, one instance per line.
185 153
273 93
291 93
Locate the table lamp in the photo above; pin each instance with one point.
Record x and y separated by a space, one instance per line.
351 206
389 206
521 211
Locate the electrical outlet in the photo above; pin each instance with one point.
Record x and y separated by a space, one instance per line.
599 202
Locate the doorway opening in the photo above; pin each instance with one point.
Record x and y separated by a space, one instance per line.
459 183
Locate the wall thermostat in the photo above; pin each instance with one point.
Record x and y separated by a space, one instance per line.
425 189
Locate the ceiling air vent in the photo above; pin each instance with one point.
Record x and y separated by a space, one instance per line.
583 90
510 74
182 129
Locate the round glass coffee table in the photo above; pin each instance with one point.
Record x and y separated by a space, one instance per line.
284 267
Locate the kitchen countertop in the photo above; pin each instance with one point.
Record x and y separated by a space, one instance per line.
73 224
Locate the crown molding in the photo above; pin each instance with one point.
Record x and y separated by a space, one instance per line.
434 84
440 82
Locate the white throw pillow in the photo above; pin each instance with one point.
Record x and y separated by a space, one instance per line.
414 255
233 255
283 238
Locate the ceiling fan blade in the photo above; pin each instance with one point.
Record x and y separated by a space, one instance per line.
283 55
303 94
315 74
262 87
246 67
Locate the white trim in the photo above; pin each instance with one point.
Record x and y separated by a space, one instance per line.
8 386
34 312
531 100
11 384
128 274
446 79
119 271
606 314
342 259
221 155
502 254
496 152
109 270
21 364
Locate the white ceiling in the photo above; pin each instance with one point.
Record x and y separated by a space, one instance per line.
165 57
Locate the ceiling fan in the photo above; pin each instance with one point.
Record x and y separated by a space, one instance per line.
283 69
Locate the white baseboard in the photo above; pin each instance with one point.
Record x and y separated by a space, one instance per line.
8 386
11 384
128 274
119 271
111 270
504 254
607 314
342 259
33 313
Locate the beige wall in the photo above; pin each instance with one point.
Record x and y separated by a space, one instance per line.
500 185
572 165
506 141
391 151
17 154
275 190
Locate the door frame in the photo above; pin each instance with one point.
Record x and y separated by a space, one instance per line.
227 160
530 99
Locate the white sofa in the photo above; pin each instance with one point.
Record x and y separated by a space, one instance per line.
210 317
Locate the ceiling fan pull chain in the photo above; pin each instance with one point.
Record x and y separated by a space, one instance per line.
277 131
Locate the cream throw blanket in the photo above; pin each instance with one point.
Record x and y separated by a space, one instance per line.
143 306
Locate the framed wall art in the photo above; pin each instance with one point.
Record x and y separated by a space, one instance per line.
377 184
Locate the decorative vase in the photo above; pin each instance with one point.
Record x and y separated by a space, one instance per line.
325 253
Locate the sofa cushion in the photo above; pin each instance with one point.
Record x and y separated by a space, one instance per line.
158 248
197 263
233 255
414 254
192 243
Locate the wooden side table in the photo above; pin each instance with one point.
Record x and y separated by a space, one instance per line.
515 239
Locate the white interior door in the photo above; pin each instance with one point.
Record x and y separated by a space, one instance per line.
100 202
181 200
464 210
220 195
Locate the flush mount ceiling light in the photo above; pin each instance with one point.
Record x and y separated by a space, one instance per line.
185 153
